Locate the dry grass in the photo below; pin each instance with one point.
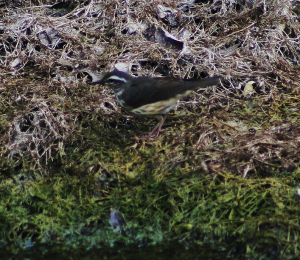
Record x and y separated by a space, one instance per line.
59 131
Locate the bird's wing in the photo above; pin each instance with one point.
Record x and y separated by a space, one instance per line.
145 90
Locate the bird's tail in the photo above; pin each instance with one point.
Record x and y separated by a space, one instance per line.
205 82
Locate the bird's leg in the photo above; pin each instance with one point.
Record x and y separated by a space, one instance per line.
157 128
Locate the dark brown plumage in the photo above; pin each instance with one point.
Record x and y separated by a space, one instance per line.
150 96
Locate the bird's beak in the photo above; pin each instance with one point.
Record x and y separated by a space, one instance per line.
98 82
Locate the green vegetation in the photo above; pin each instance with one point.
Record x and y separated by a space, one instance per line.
222 177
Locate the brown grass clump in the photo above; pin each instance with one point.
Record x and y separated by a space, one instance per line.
223 174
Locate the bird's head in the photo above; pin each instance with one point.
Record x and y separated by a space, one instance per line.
115 80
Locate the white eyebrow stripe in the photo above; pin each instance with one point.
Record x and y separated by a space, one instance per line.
118 78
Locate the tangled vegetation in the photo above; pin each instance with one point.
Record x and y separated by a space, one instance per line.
222 177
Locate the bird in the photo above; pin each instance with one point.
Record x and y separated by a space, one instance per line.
151 96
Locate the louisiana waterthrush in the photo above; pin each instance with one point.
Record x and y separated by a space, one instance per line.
151 96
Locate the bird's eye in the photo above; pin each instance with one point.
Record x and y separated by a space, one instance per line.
114 81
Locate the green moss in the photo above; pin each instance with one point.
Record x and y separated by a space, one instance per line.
221 178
